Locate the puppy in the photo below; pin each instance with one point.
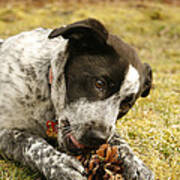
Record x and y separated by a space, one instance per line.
80 75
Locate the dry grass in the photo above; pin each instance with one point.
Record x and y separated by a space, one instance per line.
152 127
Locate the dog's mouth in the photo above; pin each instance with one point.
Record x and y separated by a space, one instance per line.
72 145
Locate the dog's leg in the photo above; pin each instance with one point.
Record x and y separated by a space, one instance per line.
134 168
37 153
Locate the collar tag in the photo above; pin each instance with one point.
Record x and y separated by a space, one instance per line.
52 128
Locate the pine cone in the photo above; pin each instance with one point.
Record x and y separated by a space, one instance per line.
104 163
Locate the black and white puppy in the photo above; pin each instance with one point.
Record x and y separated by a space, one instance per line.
96 80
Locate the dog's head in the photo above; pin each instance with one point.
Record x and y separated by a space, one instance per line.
98 83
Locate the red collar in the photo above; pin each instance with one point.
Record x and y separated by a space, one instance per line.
51 124
50 75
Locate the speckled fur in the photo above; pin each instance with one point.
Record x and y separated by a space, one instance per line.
27 102
134 167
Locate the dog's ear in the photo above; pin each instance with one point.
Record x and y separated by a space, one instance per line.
147 81
85 31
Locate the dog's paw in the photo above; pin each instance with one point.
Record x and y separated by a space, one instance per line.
67 169
136 170
133 168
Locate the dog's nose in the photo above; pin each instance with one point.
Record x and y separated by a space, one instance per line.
95 137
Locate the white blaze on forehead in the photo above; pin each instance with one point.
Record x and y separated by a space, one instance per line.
131 83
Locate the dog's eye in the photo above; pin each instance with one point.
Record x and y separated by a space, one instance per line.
128 99
127 102
100 84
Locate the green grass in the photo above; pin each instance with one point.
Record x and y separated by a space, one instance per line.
14 171
152 127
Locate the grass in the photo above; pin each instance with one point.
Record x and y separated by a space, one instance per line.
152 127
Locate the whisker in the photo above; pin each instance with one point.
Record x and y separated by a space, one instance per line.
69 128
65 132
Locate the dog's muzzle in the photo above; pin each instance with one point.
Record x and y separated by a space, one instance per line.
91 137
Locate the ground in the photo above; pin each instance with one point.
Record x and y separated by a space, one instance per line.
152 127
